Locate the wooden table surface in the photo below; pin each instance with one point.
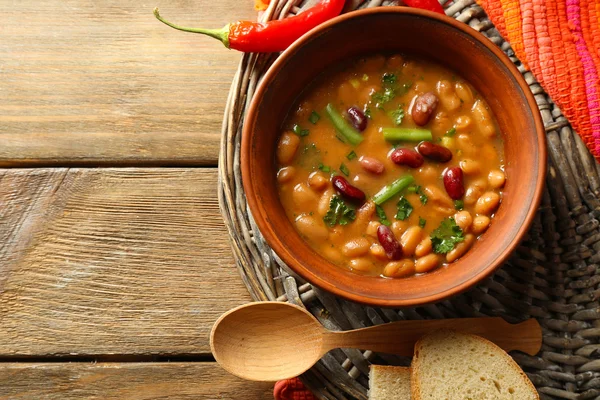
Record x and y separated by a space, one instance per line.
114 261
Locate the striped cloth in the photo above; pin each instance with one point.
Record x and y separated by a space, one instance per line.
559 41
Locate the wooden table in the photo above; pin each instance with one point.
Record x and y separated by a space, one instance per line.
111 277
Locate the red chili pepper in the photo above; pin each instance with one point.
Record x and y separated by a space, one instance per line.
431 5
273 36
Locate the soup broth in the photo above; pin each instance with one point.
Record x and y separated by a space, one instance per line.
391 166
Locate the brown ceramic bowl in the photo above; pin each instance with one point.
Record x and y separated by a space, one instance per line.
442 39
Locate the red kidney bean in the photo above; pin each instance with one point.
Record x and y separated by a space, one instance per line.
392 247
372 165
424 108
346 189
357 118
409 157
435 152
454 183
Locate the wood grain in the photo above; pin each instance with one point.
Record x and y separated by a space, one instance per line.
104 83
132 381
112 261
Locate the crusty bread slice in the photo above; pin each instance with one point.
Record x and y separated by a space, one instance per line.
389 383
455 366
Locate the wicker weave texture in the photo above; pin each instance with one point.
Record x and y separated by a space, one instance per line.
554 276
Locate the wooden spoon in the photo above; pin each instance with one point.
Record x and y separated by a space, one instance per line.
270 341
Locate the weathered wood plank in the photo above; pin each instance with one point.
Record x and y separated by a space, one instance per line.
131 381
104 83
112 261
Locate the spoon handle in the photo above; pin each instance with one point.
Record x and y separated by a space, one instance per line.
400 337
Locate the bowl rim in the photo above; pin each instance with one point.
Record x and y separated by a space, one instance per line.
313 278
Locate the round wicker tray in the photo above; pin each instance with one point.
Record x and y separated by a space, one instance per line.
554 276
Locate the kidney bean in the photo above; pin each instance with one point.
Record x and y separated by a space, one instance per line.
424 108
372 165
435 152
408 157
346 189
393 248
454 183
357 118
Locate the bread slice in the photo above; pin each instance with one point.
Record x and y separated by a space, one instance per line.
389 383
455 366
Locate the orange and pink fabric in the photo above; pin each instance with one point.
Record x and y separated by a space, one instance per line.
559 41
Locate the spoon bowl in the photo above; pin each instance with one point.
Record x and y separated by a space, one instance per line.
270 341
267 341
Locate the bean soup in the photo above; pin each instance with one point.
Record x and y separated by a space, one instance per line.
390 166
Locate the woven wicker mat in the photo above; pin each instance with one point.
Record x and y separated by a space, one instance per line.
553 276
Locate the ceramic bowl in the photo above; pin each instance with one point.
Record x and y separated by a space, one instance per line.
441 39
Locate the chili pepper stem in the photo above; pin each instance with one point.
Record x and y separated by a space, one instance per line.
220 34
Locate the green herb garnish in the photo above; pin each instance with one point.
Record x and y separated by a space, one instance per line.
344 169
422 222
389 79
459 204
397 115
404 209
419 190
383 96
339 213
324 168
446 236
351 156
314 117
299 131
382 217
451 132
368 113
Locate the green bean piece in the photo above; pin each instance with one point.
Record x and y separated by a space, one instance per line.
407 134
340 124
389 191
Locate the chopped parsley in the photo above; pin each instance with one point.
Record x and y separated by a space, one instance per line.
324 168
351 156
299 131
419 190
314 117
344 169
404 209
446 236
459 204
339 213
382 217
422 222
365 77
368 113
397 115
451 132
389 79
383 96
